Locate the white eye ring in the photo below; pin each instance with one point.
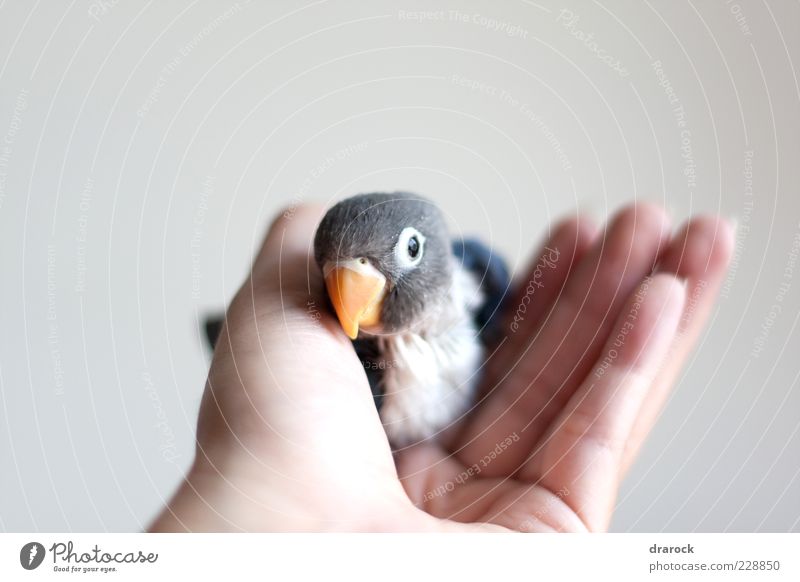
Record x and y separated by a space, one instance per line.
401 249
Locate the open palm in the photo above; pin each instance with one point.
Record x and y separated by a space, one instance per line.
595 335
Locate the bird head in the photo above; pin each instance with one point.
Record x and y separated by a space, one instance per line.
386 259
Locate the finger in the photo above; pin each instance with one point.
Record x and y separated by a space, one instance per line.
290 236
700 254
288 239
562 353
535 290
584 448
533 295
284 285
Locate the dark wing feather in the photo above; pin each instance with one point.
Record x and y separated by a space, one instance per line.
491 270
370 357
213 327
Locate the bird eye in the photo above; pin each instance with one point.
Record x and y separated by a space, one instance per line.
413 247
410 247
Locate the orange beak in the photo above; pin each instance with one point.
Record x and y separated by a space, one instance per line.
356 289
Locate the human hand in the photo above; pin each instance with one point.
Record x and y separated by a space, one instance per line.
289 438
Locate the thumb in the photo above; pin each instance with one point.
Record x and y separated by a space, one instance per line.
284 374
282 303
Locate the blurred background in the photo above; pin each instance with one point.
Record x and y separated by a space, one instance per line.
144 148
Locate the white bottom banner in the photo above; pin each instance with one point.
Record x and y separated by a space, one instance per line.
401 557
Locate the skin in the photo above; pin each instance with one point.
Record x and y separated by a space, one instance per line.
289 440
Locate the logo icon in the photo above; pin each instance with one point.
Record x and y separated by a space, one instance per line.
31 555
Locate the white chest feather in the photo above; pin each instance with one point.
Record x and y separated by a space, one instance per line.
430 378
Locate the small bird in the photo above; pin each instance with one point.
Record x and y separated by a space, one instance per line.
419 307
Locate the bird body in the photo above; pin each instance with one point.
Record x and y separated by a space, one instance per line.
430 376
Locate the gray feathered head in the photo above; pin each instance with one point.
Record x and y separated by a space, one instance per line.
386 259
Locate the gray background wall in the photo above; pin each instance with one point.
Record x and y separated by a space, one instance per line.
145 146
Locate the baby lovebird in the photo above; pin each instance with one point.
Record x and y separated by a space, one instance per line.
418 306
